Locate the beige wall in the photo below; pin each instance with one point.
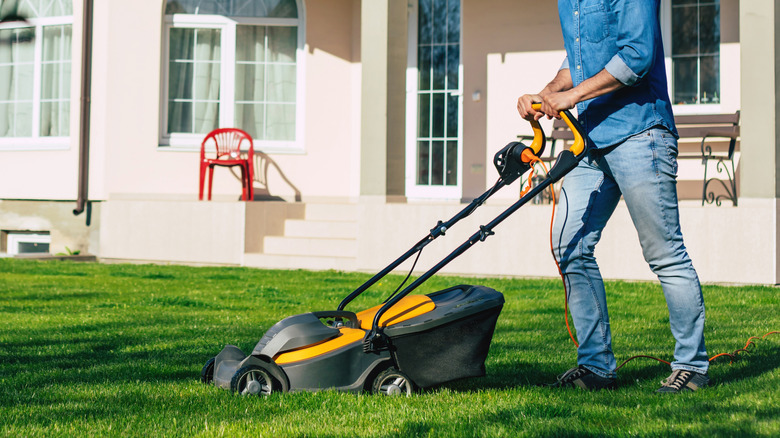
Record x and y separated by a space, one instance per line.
495 33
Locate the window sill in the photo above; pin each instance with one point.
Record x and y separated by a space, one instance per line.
28 144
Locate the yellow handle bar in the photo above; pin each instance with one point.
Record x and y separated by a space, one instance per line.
579 136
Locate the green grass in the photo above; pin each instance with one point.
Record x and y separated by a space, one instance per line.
91 349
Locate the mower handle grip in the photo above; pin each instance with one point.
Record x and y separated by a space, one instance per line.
578 147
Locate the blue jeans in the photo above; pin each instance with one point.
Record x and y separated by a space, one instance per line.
643 169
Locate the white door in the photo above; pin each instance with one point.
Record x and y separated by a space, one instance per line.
433 104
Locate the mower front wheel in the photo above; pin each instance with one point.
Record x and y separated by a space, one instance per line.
207 372
393 382
253 380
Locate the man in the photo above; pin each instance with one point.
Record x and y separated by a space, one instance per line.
614 74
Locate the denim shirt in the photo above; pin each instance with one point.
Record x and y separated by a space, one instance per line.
623 37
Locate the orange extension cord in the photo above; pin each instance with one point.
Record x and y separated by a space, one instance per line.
733 355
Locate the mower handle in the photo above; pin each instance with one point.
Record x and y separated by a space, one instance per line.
578 147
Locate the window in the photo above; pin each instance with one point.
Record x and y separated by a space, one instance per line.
27 242
35 73
695 51
233 64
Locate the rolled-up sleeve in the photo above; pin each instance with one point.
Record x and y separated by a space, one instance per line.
638 38
564 64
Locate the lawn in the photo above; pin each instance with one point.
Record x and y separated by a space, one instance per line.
94 349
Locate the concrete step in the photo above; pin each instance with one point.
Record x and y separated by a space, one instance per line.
272 261
320 229
301 246
331 212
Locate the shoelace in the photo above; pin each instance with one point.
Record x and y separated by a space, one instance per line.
677 379
572 375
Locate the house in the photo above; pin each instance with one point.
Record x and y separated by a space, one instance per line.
375 119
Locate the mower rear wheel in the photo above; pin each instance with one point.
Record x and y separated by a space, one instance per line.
207 373
253 380
393 382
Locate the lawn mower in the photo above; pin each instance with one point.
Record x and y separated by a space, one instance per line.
408 341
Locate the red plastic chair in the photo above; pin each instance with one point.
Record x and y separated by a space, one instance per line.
227 142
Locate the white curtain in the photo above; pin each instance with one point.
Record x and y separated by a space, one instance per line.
16 83
193 80
266 81
55 81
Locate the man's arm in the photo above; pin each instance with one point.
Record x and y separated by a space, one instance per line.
599 85
561 82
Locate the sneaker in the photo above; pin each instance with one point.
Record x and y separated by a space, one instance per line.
584 378
684 380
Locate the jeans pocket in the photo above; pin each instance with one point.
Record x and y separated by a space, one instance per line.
594 23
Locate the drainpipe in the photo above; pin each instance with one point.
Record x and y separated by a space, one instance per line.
86 87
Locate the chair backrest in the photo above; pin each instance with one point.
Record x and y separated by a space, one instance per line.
227 142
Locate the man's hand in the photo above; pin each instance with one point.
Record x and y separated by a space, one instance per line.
524 103
554 103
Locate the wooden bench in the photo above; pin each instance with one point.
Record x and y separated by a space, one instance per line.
711 138
719 134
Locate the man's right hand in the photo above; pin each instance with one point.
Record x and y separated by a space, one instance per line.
525 109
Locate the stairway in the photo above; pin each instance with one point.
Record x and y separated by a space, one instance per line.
326 238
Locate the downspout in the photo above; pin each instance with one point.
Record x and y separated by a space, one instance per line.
82 201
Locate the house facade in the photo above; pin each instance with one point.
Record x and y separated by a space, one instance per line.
372 120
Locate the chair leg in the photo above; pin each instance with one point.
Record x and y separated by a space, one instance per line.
250 182
244 193
201 181
211 179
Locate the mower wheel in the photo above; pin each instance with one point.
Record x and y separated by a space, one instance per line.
253 380
393 382
207 372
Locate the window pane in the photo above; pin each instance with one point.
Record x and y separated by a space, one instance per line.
424 115
453 66
424 67
249 83
685 80
179 116
424 22
438 115
437 163
452 116
685 33
207 45
439 21
250 43
55 81
710 79
55 118
207 81
709 29
452 163
181 44
439 67
282 44
234 8
57 43
45 8
180 80
423 162
250 118
206 117
453 21
281 83
280 122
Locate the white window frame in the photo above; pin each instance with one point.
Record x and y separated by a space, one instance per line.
227 26
666 34
413 190
36 141
14 239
